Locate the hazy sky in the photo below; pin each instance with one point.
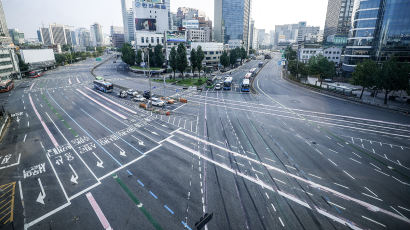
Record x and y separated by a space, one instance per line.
29 15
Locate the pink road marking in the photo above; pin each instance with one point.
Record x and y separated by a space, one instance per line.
97 210
69 81
32 85
115 103
43 124
100 104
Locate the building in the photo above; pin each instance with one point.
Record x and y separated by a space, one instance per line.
8 64
116 30
190 23
294 33
198 35
255 42
68 37
338 19
96 33
58 34
187 13
5 39
307 33
128 20
46 36
261 37
74 38
212 52
232 21
251 34
84 37
16 36
380 30
331 53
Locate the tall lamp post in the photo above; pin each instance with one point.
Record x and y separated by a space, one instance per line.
149 76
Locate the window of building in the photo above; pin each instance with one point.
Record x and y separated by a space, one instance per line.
152 39
142 39
208 58
157 40
211 52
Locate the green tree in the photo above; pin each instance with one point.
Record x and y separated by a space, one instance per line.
292 67
365 74
224 59
138 58
233 56
173 60
192 59
393 76
321 67
23 66
242 54
182 61
199 58
128 54
158 56
66 48
290 54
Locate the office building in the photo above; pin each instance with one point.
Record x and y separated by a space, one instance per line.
251 34
46 36
117 36
306 31
74 38
9 63
16 36
332 54
116 30
380 30
232 21
212 52
198 35
187 13
96 33
5 39
128 20
261 37
294 33
58 34
84 37
338 20
68 36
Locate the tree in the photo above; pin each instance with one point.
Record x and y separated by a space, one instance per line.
66 48
224 59
138 58
23 66
158 56
290 54
292 67
151 56
182 61
233 56
323 68
199 58
192 59
173 60
128 54
365 74
242 54
393 76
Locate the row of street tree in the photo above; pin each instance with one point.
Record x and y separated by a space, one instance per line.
231 58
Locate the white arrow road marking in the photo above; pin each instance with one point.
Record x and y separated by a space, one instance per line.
139 205
99 162
18 119
42 195
139 141
74 177
122 152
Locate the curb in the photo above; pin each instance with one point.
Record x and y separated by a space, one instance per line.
350 99
253 90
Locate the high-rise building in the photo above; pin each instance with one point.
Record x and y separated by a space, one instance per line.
96 33
84 37
338 19
251 33
46 36
16 36
116 30
128 20
5 39
68 36
74 38
9 63
380 30
304 30
232 21
261 36
58 34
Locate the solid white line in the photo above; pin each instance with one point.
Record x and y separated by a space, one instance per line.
102 105
34 222
376 166
398 212
180 106
113 102
341 185
374 194
382 172
315 176
367 218
355 160
281 222
332 162
11 165
406 209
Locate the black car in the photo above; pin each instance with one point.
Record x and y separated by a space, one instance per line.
147 94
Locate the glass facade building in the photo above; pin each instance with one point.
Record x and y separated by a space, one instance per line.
338 18
380 30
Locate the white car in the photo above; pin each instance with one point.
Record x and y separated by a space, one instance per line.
139 98
218 86
157 102
135 94
130 92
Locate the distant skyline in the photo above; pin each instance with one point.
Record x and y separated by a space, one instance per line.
29 15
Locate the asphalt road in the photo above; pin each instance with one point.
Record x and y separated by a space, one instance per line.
283 158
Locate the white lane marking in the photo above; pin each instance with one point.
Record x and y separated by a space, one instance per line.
367 218
349 175
274 209
337 219
113 102
357 155
77 80
355 160
382 172
332 162
340 144
69 81
267 196
101 217
28 123
376 198
290 167
276 179
398 212
315 176
311 183
281 222
257 171
336 205
375 166
42 194
341 185
270 159
333 150
401 181
374 194
102 105
24 139
406 209
317 150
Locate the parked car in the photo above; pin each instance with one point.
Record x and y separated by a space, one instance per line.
131 92
157 102
122 94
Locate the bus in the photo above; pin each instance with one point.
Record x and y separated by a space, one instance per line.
253 71
245 85
104 86
248 75
6 85
228 83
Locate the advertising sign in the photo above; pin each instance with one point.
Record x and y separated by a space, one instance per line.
147 24
176 36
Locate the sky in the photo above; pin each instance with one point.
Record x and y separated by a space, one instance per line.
29 15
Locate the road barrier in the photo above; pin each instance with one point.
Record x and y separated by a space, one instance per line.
143 105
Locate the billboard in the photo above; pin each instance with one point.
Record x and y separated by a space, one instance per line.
32 56
147 24
176 36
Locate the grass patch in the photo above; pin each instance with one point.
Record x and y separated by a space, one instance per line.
185 81
141 68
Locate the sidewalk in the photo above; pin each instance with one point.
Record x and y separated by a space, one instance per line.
352 93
